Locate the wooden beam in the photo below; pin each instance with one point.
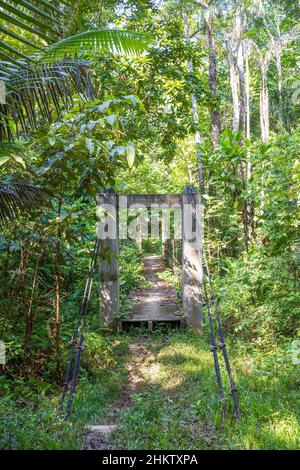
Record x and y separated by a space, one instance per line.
149 199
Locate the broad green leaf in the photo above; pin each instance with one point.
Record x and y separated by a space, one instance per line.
90 145
133 99
104 106
20 160
3 160
111 119
130 155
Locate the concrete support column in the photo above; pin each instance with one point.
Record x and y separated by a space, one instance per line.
138 237
165 231
191 258
109 294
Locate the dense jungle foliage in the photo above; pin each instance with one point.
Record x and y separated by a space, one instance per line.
207 95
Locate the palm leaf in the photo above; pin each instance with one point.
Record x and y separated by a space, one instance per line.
36 95
40 18
32 8
15 199
37 85
33 91
21 24
129 43
19 38
14 12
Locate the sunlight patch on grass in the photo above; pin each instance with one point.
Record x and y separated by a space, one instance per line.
181 409
284 429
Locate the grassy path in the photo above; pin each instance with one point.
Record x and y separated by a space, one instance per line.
159 391
170 399
166 396
138 356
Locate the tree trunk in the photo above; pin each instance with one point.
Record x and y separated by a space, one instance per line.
29 319
233 42
264 122
247 81
20 287
264 107
243 168
195 111
234 89
280 88
243 98
215 117
250 205
58 290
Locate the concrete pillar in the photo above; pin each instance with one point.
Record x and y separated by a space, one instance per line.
191 258
165 229
109 294
138 237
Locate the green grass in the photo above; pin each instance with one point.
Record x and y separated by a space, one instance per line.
27 412
178 407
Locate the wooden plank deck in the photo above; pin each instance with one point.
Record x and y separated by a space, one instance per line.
157 303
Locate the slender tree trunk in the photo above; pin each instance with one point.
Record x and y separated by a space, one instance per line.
250 205
278 49
20 288
58 290
248 117
233 42
243 97
234 89
280 88
243 128
264 122
264 106
195 111
29 319
215 117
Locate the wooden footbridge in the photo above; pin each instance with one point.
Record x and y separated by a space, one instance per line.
157 303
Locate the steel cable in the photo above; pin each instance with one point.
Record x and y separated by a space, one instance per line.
222 344
80 322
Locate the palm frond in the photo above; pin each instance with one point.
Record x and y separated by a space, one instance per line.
129 43
34 9
13 35
38 85
15 199
27 17
41 18
36 95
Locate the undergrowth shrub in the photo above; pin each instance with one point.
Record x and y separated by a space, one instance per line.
130 271
259 299
98 353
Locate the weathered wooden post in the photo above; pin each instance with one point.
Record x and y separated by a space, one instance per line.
108 261
139 237
191 258
165 231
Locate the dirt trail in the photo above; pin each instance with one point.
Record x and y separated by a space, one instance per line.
139 358
157 301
